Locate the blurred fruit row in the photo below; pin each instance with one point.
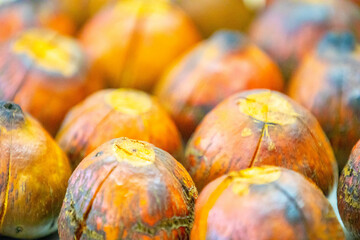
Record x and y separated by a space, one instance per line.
115 115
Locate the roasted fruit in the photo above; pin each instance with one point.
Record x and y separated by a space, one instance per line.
33 176
18 15
46 74
128 189
327 84
133 41
263 204
213 15
260 127
117 113
348 193
288 29
223 65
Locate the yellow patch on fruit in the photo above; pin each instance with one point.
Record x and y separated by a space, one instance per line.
256 175
134 152
48 50
268 107
130 102
246 132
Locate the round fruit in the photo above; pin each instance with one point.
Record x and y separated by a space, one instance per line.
33 176
213 15
260 127
133 41
112 113
18 15
327 84
348 193
220 66
288 29
46 74
128 189
263 204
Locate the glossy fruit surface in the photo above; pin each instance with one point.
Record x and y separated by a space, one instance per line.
132 42
46 74
128 189
327 83
255 128
33 176
112 113
217 68
264 203
288 29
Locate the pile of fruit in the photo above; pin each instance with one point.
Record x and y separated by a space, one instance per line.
180 119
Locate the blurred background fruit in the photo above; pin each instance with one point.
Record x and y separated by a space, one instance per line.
46 74
112 113
18 15
280 202
328 84
213 15
33 176
81 11
133 41
218 67
255 128
348 193
159 202
288 29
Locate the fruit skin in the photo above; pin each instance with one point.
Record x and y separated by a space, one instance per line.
288 30
18 15
255 128
81 11
327 84
132 42
348 193
33 176
45 85
218 67
262 204
213 15
128 189
114 113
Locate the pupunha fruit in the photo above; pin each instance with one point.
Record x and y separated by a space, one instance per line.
260 127
128 189
264 203
33 176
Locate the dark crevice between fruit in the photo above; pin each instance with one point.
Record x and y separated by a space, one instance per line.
300 218
6 197
82 223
